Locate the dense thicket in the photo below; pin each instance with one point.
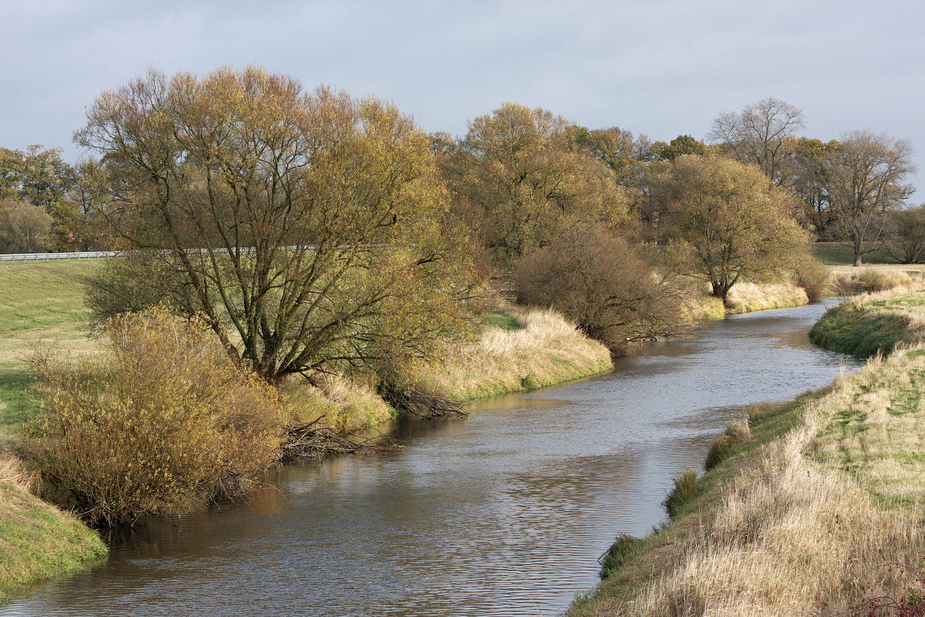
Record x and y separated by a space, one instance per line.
598 281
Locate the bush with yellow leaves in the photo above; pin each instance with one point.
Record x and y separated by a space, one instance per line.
161 422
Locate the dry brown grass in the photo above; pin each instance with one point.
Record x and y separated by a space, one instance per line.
874 279
746 297
546 350
13 475
787 536
337 402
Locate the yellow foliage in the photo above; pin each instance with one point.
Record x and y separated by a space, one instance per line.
162 422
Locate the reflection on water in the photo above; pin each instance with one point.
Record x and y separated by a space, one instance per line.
504 513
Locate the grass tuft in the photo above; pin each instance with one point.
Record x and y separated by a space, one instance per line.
686 489
545 349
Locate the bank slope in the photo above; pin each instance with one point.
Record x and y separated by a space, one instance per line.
806 518
37 540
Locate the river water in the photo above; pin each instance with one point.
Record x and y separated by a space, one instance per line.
504 513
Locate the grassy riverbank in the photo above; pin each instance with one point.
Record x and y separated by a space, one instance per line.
37 540
815 508
518 350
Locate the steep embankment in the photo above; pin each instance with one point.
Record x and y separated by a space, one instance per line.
807 506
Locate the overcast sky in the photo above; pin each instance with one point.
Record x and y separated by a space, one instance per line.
661 68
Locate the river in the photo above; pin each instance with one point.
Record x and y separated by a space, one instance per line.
504 513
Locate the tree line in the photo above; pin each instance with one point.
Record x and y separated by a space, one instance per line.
317 231
269 232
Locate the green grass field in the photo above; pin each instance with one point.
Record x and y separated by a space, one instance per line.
838 254
40 304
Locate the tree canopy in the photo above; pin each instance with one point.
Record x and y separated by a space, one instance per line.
729 221
520 177
305 226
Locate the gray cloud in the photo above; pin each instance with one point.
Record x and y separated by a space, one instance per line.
657 67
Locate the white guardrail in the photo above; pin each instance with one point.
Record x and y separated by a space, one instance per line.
14 257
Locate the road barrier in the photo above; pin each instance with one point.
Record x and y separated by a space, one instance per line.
14 257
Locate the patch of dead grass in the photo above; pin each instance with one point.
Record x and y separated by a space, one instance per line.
546 350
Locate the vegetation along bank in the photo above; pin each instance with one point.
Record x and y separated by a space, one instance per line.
809 508
300 267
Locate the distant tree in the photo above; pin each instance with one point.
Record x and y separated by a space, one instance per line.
727 220
42 178
761 134
905 235
805 179
679 146
305 227
24 228
518 177
618 149
597 280
92 199
864 178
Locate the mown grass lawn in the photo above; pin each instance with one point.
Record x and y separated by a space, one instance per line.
40 304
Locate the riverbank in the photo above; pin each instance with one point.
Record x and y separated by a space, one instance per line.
813 509
518 350
37 540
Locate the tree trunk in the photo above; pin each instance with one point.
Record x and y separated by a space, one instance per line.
721 291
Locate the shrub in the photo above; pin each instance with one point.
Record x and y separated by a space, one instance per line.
909 602
164 421
624 547
813 278
598 281
686 489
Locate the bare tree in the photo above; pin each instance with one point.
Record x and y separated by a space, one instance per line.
763 134
905 241
864 178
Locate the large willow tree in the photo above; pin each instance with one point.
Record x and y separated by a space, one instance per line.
303 225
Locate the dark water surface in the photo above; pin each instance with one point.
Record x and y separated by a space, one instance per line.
504 513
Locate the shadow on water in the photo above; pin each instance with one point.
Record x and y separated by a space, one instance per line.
504 513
